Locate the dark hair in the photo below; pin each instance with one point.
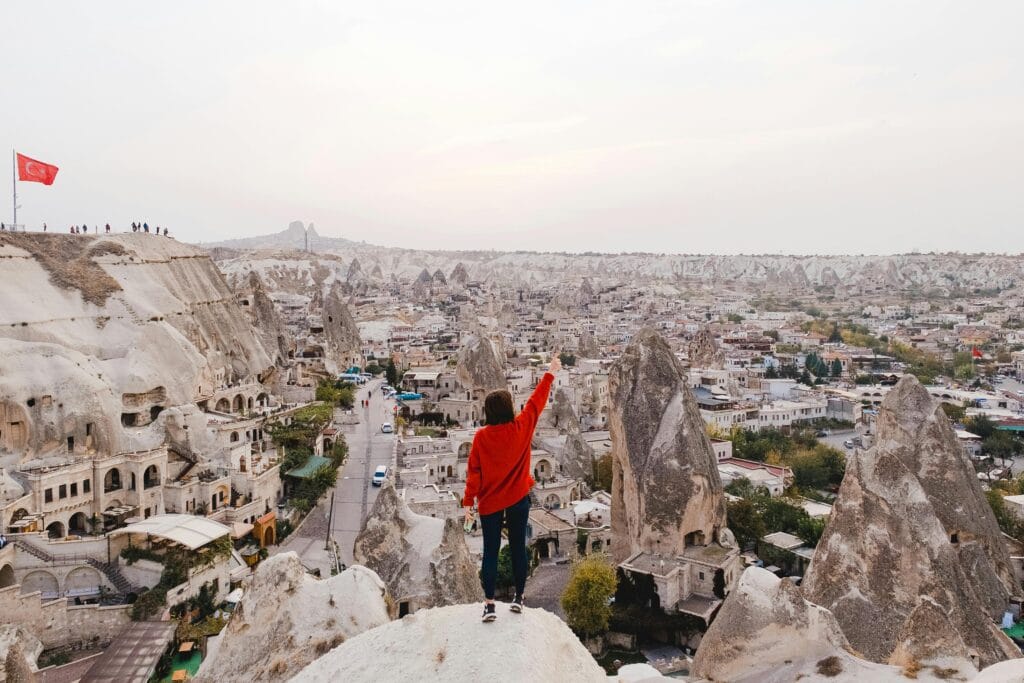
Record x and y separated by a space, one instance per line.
498 408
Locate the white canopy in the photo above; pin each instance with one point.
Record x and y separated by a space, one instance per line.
188 530
585 507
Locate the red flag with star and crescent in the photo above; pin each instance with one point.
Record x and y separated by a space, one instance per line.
34 171
975 353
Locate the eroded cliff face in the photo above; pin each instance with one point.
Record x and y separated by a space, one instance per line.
161 323
423 561
479 366
288 618
704 351
575 457
343 346
912 555
666 492
267 321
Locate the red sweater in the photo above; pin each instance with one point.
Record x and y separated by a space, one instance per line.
499 461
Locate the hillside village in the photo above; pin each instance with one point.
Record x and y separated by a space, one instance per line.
796 468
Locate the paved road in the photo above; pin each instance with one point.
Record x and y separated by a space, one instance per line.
353 496
368 447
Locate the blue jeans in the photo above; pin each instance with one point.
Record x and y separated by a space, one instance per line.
514 518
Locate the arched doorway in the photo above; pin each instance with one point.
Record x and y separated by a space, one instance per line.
552 502
7 576
543 469
78 524
464 449
223 406
241 464
263 400
151 477
39 580
269 536
234 437
83 578
55 529
112 480
249 403
239 403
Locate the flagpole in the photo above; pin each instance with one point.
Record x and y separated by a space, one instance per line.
14 187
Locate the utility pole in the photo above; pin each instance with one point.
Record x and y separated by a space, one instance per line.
14 187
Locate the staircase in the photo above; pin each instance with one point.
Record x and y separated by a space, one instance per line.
113 574
109 570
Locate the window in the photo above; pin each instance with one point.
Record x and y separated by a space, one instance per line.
701 575
86 486
74 489
88 428
48 495
62 491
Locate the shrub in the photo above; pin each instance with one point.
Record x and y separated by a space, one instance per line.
587 595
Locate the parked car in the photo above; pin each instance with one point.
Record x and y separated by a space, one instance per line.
848 443
379 475
387 428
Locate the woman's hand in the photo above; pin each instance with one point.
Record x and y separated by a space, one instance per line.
469 516
556 364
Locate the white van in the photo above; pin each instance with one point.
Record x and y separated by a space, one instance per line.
387 428
379 475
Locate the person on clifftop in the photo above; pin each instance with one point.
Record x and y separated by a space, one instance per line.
498 480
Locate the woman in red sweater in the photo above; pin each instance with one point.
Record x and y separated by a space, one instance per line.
499 480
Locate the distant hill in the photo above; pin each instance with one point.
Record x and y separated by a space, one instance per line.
948 273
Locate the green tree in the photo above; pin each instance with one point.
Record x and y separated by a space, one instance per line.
836 337
568 359
391 372
603 473
837 368
954 412
809 529
982 425
746 522
999 444
586 598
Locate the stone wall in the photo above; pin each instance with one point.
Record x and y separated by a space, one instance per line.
55 623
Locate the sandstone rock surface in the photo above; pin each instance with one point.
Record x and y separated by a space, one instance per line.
704 352
479 366
423 561
766 632
912 561
70 357
288 618
19 651
450 644
341 334
665 483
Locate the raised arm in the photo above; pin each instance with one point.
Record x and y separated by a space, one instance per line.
532 410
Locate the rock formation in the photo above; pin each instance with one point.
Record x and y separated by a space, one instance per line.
19 651
423 561
704 352
288 618
450 644
576 457
267 322
341 334
588 346
666 492
479 368
459 275
766 632
912 558
71 365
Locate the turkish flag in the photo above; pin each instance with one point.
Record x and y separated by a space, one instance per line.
35 171
975 352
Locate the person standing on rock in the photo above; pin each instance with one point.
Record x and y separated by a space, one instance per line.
498 480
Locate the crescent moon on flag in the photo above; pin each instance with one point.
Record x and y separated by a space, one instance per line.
30 168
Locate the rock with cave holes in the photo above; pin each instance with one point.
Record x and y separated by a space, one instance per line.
480 367
287 618
342 344
666 492
912 555
423 561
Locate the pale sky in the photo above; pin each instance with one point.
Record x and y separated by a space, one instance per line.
697 126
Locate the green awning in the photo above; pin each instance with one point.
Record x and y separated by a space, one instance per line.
314 463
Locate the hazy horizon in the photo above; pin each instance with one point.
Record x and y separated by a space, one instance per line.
699 127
